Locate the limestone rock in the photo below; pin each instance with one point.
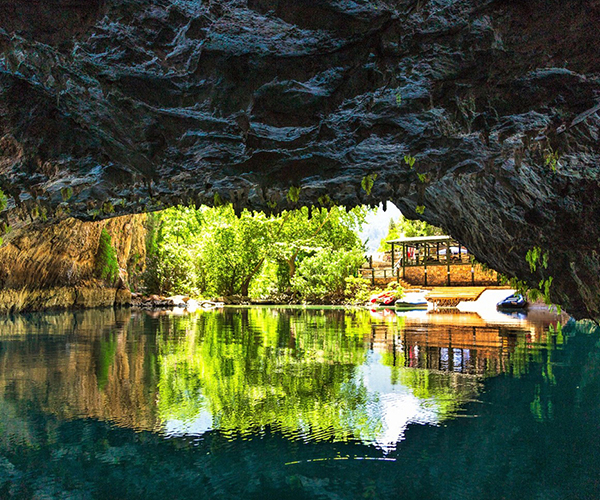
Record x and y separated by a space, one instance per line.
53 267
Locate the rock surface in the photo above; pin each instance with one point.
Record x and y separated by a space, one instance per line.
145 104
54 267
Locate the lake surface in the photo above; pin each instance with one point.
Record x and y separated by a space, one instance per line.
275 403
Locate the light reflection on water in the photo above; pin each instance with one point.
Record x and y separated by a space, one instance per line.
285 390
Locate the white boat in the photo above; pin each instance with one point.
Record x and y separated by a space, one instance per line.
412 300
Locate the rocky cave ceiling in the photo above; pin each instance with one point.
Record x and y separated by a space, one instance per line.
121 106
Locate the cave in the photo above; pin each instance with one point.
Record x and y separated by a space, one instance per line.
480 117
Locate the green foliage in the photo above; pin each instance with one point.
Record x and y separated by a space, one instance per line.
3 200
171 251
3 203
423 178
107 267
535 256
398 98
410 160
293 194
325 200
212 252
551 159
367 183
108 207
94 213
66 193
322 277
62 210
358 290
420 209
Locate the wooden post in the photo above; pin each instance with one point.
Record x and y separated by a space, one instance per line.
448 257
392 257
372 276
404 257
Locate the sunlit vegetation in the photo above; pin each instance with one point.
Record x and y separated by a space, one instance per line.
107 267
407 228
305 253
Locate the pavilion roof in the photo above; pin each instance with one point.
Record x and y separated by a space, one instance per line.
422 239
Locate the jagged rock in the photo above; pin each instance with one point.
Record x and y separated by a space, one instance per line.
145 104
54 267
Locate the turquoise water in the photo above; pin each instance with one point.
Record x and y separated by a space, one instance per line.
298 404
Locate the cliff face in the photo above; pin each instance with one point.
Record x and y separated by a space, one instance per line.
144 104
55 266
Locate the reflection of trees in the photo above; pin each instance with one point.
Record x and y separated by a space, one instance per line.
535 435
79 364
506 452
291 371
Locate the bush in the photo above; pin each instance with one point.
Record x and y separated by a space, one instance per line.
359 290
107 267
322 277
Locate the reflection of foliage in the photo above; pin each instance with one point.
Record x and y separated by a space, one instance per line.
447 392
108 349
254 369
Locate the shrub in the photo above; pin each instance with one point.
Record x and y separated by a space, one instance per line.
359 290
322 276
107 267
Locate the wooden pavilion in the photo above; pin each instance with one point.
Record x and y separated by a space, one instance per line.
429 261
428 250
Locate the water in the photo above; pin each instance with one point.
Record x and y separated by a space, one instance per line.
298 404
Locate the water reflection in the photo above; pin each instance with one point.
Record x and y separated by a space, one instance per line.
280 403
311 375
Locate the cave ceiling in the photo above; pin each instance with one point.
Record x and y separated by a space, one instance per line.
477 116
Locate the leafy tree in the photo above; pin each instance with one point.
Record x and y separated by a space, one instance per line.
407 228
306 231
213 252
171 249
323 275
234 253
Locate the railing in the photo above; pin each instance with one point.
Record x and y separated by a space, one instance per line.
374 274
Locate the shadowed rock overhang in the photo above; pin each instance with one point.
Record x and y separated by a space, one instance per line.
122 106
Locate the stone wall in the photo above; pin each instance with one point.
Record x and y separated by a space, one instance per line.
460 274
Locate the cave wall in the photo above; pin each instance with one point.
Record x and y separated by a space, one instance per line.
54 267
146 104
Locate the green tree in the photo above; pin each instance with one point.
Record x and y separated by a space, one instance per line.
322 276
213 252
407 228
